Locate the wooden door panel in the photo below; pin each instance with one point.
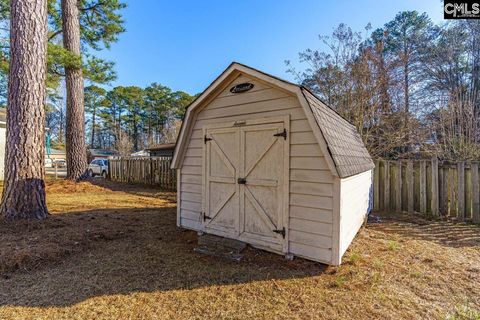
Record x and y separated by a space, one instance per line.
227 142
257 146
261 196
220 166
253 225
221 189
265 200
223 205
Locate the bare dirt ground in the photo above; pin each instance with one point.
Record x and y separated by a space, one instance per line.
112 251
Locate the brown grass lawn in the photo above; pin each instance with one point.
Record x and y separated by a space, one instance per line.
111 251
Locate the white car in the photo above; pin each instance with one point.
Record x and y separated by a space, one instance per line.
98 167
60 163
48 163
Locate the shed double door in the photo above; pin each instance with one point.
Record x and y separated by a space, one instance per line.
244 183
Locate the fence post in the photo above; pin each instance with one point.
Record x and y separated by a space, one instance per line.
386 186
461 190
398 187
475 193
434 203
376 186
441 191
423 186
410 187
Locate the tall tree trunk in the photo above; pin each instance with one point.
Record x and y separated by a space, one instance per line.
135 133
24 188
406 89
61 127
384 81
75 135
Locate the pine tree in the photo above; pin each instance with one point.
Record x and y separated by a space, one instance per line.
94 99
75 135
24 187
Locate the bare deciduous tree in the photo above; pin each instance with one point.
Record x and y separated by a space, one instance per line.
124 144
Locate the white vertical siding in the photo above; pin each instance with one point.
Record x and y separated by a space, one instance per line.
354 199
311 182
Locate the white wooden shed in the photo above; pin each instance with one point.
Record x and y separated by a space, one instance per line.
264 161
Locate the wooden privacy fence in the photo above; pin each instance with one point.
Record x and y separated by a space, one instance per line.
144 170
429 187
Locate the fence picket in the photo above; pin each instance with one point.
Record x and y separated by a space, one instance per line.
423 186
475 193
386 186
152 171
461 190
441 188
434 191
398 187
376 186
410 188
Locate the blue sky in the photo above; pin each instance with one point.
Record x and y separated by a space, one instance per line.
186 44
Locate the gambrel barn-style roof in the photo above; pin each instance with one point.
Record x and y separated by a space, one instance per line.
340 141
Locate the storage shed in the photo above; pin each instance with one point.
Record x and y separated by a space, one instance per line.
264 161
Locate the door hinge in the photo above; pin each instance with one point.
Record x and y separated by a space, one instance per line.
242 181
282 134
281 231
205 139
205 217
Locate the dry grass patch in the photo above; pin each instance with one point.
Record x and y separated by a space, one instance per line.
112 251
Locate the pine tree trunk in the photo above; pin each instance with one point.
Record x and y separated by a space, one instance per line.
75 131
135 134
406 147
24 187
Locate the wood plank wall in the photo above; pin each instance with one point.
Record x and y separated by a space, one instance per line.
429 187
143 170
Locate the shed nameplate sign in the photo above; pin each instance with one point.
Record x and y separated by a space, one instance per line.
242 87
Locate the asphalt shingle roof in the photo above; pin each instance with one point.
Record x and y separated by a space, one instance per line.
344 142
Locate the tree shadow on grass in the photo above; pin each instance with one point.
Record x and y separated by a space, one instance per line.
136 189
444 232
76 256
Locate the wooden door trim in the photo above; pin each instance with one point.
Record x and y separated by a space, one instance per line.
286 184
258 121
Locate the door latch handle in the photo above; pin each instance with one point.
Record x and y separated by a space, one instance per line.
281 231
205 217
242 181
282 134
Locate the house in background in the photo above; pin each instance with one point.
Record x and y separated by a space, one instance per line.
3 137
100 154
141 153
161 150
